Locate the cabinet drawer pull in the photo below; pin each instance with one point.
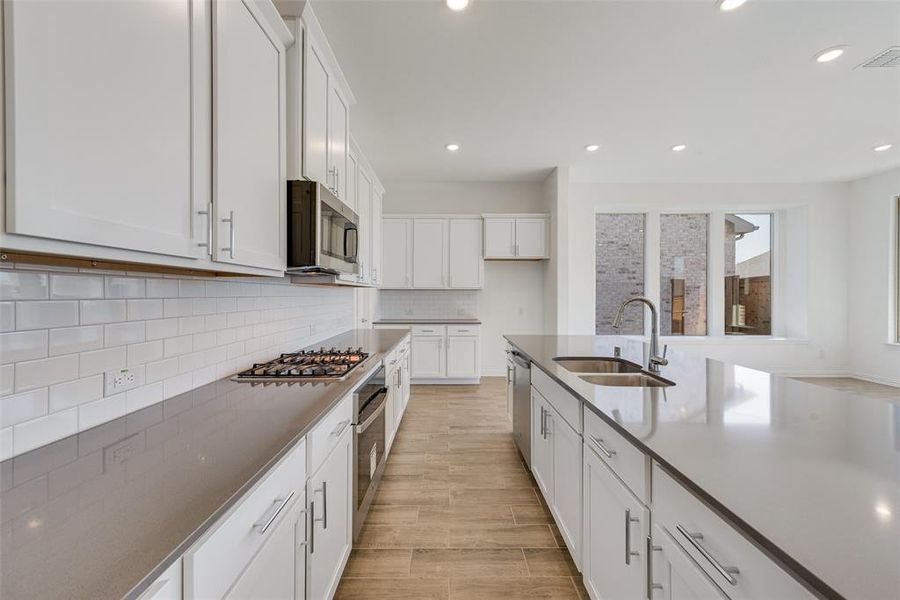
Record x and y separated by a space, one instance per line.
628 551
650 585
599 444
340 428
694 538
267 519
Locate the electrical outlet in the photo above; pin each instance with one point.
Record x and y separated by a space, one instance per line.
122 380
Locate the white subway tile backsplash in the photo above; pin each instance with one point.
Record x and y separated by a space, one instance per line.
138 354
162 328
102 311
23 407
125 287
120 334
162 288
39 373
100 361
7 379
73 393
43 315
75 287
143 396
138 310
18 285
7 316
178 307
181 333
37 432
75 339
101 411
23 345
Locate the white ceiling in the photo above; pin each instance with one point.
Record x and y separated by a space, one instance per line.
524 86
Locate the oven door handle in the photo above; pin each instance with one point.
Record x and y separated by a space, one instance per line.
363 426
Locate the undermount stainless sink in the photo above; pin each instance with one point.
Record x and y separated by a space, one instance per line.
592 365
627 380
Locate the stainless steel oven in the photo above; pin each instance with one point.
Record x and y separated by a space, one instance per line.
323 233
369 444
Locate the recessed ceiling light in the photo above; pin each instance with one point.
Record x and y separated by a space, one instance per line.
883 147
829 54
452 147
730 4
457 5
592 147
678 147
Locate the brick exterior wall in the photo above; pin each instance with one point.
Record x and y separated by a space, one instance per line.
683 255
619 271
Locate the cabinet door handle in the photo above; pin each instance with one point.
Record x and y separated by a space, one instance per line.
230 221
599 444
694 538
542 424
340 428
312 526
208 244
324 518
650 585
628 551
262 526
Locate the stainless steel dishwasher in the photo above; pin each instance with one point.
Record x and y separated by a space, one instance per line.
519 380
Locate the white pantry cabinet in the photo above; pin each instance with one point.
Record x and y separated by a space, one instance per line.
249 144
331 509
397 253
430 253
522 237
616 527
466 269
104 146
434 252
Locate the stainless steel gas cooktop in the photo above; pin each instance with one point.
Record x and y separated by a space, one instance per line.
306 366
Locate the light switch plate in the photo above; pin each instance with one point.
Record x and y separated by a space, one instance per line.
122 380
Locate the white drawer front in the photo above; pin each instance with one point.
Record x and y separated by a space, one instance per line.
630 464
326 434
721 548
463 330
215 563
567 405
429 330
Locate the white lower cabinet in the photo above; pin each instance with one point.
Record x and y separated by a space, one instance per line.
616 527
450 352
276 571
427 356
331 519
675 576
167 586
462 356
556 464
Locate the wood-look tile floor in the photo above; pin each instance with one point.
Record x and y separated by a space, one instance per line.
458 515
858 386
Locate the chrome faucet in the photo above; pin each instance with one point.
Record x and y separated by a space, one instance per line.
654 361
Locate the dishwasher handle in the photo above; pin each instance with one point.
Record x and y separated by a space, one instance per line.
520 360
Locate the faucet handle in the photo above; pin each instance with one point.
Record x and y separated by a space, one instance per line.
665 350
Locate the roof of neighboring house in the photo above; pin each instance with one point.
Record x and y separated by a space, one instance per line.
741 225
755 266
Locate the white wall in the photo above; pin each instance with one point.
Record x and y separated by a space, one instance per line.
873 222
814 274
512 300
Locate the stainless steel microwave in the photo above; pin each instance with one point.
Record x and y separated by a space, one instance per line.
323 233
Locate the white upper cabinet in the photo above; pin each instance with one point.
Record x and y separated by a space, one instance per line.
430 250
314 128
338 142
108 124
523 237
352 179
397 252
376 235
466 263
249 116
499 237
364 211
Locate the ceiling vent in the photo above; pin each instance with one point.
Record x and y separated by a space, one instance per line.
889 57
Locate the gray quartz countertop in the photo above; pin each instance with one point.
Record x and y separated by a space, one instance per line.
809 474
98 513
428 321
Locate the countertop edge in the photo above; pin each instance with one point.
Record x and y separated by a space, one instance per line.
181 549
807 578
428 321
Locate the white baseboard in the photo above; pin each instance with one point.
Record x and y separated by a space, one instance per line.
445 381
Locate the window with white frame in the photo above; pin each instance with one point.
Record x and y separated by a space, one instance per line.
680 254
897 274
